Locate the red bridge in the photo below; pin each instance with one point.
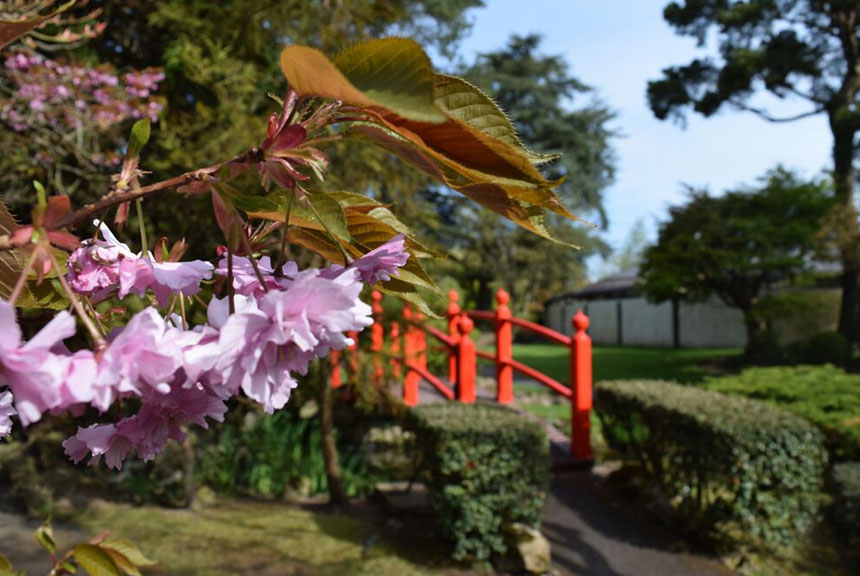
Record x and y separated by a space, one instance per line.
406 349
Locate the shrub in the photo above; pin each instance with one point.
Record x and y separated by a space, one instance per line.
268 454
734 468
828 348
825 395
487 467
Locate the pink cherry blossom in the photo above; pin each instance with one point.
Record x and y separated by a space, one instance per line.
100 266
380 263
31 370
94 265
163 278
140 356
263 344
245 281
159 419
6 412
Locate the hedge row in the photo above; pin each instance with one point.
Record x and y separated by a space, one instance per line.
486 467
826 395
730 466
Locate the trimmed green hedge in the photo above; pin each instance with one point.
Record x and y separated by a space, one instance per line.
733 468
487 466
826 395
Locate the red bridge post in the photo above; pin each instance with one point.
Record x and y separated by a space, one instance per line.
420 342
335 377
352 356
453 314
394 348
410 383
504 349
466 363
581 383
377 336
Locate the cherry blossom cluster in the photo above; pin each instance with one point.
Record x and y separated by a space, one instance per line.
53 95
255 342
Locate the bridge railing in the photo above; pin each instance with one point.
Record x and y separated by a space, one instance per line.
407 352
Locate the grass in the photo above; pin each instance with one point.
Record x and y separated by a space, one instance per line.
620 363
238 537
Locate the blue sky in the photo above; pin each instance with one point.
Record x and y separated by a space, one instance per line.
616 46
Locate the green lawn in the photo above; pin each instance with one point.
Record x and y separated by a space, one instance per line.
625 363
265 539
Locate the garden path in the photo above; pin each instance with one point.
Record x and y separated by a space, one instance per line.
594 530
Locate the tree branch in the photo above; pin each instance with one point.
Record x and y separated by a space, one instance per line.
765 115
86 212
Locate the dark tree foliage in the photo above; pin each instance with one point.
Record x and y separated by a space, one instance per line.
737 246
552 112
807 50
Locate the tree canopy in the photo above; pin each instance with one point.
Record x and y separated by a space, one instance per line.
800 50
737 246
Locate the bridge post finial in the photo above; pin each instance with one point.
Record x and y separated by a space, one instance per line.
581 386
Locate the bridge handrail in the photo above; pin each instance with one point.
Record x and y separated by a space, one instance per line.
408 350
541 377
481 315
435 333
547 333
436 382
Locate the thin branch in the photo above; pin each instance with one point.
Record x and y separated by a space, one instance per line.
76 303
141 226
231 292
22 279
765 115
247 246
284 246
88 211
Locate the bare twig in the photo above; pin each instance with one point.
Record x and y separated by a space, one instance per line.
251 156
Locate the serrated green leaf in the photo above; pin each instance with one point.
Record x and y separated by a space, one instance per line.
123 563
45 537
10 267
328 210
129 550
5 564
468 104
388 74
139 137
354 200
95 561
48 295
70 567
407 292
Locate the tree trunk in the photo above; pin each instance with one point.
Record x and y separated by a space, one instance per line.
334 474
756 336
188 471
844 222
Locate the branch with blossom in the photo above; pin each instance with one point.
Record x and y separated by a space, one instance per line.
266 319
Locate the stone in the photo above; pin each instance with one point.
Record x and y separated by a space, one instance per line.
205 497
529 547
